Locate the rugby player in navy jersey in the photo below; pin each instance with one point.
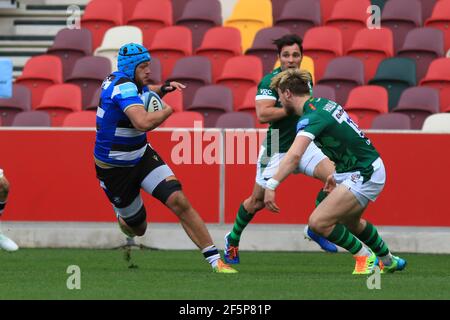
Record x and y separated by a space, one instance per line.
125 162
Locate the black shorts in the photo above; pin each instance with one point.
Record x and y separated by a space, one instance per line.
122 185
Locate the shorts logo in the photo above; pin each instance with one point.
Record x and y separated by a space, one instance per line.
355 177
117 200
155 157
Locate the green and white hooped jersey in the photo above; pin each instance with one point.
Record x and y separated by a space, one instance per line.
339 138
283 130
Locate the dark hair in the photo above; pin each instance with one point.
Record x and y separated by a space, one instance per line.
289 40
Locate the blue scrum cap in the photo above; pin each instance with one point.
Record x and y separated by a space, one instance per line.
130 56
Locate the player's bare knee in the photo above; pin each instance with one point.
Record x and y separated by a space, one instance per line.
178 203
253 204
318 224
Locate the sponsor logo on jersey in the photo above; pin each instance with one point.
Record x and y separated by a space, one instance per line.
355 177
127 90
266 92
329 106
312 107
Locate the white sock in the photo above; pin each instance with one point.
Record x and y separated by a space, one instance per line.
211 255
363 252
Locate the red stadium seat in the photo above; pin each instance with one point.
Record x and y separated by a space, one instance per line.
169 45
60 100
99 16
240 74
39 73
150 20
326 8
248 105
19 101
367 102
438 75
391 121
235 120
128 7
371 47
299 15
218 45
349 16
175 100
444 99
440 19
184 119
80 119
322 44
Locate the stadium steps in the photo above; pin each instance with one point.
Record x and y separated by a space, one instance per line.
31 28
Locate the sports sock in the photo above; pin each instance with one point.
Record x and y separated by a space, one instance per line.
243 218
373 240
345 239
211 255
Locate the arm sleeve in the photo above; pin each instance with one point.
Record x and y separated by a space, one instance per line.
264 92
125 95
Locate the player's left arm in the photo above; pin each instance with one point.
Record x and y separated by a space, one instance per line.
167 87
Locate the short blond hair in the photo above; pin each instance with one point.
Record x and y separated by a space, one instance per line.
296 80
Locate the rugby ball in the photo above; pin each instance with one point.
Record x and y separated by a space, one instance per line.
152 102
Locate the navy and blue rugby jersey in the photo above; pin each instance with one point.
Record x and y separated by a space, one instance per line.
117 142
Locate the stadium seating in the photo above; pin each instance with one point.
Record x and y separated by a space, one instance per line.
184 119
395 74
149 20
438 75
60 100
212 101
427 8
440 19
94 101
194 72
99 16
380 3
235 120
326 8
39 73
178 8
155 71
169 45
239 74
20 101
277 8
264 48
80 119
299 15
438 122
322 44
70 45
114 39
32 119
401 16
175 100
249 16
418 103
371 47
200 16
349 16
218 45
89 73
422 45
321 91
445 99
391 121
128 7
343 74
248 105
366 102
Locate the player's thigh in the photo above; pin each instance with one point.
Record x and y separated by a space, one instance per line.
341 203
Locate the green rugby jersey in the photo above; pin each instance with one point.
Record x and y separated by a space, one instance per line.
286 126
339 138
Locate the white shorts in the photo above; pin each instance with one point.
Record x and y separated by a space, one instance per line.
312 156
368 190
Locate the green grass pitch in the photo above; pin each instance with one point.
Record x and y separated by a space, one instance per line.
167 275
